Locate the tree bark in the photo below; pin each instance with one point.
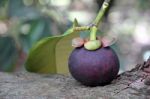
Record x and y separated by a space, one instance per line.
134 84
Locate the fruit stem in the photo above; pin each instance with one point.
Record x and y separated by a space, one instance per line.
98 19
82 28
101 13
93 33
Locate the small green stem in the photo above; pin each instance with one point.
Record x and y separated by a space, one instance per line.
78 28
93 33
98 20
101 14
82 28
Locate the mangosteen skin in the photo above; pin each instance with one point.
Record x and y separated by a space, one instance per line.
94 68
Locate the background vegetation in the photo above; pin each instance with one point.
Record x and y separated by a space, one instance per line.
24 22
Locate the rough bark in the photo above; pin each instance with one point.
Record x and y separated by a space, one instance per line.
134 84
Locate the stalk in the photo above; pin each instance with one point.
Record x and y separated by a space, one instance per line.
98 19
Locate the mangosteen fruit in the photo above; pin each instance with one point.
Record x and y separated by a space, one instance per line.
93 67
93 62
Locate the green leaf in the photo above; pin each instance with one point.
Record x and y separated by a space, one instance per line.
63 50
50 55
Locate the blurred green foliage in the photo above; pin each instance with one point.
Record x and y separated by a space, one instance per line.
8 54
26 24
144 4
39 28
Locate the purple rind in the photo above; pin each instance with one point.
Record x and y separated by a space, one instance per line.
94 68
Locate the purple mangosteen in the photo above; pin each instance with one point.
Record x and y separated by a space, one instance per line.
94 67
93 62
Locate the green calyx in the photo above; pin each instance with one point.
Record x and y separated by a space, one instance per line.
93 44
